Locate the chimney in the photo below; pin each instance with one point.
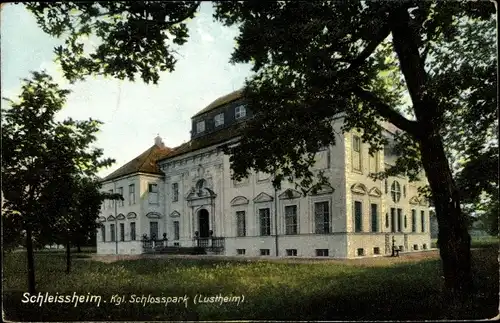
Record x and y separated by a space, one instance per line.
159 142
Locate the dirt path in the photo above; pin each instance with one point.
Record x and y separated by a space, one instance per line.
366 261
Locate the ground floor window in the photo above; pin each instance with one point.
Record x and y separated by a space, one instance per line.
176 230
132 231
240 224
122 231
112 231
153 229
240 251
291 252
415 247
265 222
376 251
103 233
322 252
361 252
291 219
424 246
264 252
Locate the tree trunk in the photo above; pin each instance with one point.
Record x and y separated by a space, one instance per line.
453 236
31 261
68 257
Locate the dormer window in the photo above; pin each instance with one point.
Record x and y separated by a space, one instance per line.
200 126
219 119
240 112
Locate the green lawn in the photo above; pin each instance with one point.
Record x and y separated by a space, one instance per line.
272 290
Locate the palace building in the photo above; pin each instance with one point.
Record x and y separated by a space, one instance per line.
185 197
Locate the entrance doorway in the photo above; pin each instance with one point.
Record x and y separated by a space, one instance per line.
203 223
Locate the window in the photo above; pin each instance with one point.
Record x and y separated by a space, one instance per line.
291 219
415 247
240 224
120 191
424 246
112 231
374 162
103 233
131 194
404 191
400 220
110 203
374 216
406 222
153 230
386 186
356 153
176 230
413 220
361 252
422 220
291 252
393 219
358 216
153 193
240 112
264 252
395 191
200 126
401 248
322 252
322 217
175 192
122 231
176 244
219 119
265 222
132 231
376 251
387 220
240 251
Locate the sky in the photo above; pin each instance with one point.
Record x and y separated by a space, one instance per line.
133 113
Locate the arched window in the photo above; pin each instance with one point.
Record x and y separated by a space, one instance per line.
396 191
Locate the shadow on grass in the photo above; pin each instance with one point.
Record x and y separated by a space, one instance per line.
273 291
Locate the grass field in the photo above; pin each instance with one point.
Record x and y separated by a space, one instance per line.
271 290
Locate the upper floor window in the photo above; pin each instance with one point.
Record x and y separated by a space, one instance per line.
120 191
200 126
219 119
240 112
175 192
131 194
374 162
396 191
153 193
356 153
110 201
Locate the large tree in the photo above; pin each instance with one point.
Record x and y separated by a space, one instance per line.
41 159
313 60
319 59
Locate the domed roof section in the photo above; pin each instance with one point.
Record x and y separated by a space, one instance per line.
238 94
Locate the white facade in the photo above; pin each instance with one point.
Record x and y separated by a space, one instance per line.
197 198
